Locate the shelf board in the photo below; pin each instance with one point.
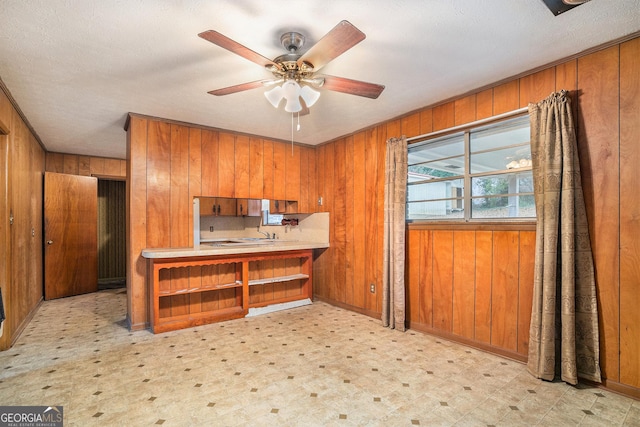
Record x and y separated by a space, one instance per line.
172 292
278 279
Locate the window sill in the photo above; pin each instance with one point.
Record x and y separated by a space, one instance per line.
502 225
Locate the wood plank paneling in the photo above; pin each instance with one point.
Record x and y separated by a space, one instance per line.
504 292
464 266
598 149
267 162
137 300
241 169
158 185
484 279
525 288
412 277
181 206
425 278
464 110
350 209
359 221
256 168
484 104
279 170
210 160
443 280
371 217
630 214
410 125
426 121
313 188
505 97
226 165
443 116
292 168
303 200
339 223
329 190
536 87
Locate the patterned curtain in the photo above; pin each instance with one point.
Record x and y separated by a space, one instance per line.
563 336
395 195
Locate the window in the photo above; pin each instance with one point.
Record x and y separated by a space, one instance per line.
480 173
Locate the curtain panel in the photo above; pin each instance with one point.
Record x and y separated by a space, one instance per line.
564 320
395 196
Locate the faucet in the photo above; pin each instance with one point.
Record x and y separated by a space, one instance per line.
266 233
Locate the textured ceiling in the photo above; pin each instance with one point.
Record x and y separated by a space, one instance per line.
76 68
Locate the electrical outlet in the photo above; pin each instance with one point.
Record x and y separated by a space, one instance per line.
211 228
372 288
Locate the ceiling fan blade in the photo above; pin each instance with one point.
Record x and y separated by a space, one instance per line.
352 87
235 47
337 41
238 88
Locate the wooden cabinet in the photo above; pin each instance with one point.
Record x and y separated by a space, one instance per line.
248 207
217 206
193 291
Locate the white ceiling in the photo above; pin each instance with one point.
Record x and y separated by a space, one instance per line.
77 67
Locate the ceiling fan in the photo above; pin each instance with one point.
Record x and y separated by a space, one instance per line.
296 71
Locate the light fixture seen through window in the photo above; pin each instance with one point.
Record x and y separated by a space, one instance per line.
292 92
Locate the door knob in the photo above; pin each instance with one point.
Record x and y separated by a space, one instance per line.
49 242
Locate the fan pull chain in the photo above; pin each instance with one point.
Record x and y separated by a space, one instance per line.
291 134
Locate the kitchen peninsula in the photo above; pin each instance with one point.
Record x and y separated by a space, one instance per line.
230 277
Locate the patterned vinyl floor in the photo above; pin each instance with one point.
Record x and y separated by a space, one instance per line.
316 365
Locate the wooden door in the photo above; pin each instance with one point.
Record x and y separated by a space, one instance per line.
70 234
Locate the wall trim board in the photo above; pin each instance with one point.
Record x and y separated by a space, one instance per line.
359 310
488 226
20 328
419 327
616 387
15 105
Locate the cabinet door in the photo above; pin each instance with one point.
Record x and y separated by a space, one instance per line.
226 207
241 207
208 206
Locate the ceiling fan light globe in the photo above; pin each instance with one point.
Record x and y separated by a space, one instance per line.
291 90
293 105
309 95
274 96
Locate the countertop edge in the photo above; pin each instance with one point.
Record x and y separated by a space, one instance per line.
205 250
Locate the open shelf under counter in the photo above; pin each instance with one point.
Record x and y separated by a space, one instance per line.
190 290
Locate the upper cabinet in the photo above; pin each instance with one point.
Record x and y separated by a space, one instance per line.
225 206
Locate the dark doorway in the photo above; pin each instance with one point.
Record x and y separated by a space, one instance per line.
111 234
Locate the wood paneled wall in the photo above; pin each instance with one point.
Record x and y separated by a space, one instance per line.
73 164
605 91
21 197
170 163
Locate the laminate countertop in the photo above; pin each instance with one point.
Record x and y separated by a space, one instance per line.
232 247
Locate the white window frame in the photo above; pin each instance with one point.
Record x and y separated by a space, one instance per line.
465 132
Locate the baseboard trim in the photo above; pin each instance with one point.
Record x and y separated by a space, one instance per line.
487 348
363 311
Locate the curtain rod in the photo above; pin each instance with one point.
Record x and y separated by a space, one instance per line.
468 125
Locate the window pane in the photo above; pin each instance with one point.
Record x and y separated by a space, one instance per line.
437 169
508 183
501 134
503 207
508 158
435 190
440 209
